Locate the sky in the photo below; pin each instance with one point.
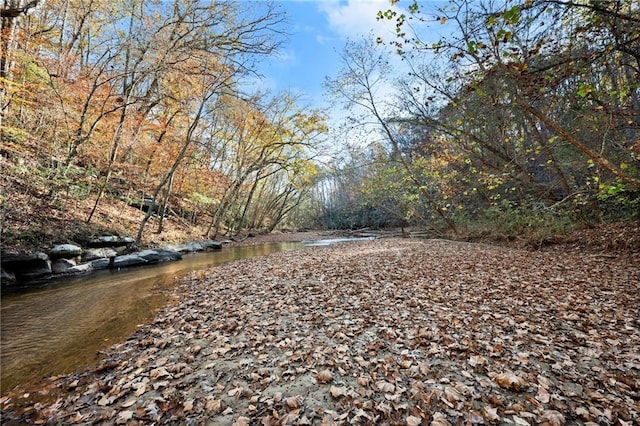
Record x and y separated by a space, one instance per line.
318 32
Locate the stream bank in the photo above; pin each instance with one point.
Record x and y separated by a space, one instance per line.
58 327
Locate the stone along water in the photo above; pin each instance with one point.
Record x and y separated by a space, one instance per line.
59 328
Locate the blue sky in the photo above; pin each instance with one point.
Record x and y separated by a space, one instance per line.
318 32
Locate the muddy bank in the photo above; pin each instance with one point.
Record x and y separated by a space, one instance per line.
387 331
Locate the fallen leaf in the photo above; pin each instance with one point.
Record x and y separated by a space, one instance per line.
129 402
213 405
439 419
413 421
542 395
553 417
520 422
384 386
325 376
188 405
510 380
242 421
337 392
293 401
475 360
124 417
491 413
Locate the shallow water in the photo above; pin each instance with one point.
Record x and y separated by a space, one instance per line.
59 328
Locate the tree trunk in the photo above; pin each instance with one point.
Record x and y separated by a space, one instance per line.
165 201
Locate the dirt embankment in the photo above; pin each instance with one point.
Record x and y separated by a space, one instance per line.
394 331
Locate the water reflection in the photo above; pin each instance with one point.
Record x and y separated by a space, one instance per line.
58 328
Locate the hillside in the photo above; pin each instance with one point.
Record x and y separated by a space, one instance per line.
34 217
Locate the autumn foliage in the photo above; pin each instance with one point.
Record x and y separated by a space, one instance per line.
147 103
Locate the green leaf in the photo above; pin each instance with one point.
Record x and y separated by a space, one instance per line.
512 16
471 46
584 90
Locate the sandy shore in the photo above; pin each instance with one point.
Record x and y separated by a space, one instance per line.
393 331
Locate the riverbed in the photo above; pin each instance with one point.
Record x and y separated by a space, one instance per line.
392 331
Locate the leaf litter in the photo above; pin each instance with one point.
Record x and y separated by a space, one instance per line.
376 332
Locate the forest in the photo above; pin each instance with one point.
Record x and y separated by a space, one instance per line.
522 118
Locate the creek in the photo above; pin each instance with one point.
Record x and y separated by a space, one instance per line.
61 327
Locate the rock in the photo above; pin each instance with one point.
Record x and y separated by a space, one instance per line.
110 241
78 269
98 253
103 263
187 248
128 260
7 278
159 255
211 245
12 257
60 266
35 270
26 266
65 251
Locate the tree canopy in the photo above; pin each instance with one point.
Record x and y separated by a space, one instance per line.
148 102
522 116
517 113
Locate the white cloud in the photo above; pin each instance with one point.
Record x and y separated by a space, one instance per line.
286 58
356 18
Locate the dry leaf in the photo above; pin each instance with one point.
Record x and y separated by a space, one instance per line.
158 372
510 381
553 417
542 395
413 421
140 388
384 386
439 419
363 381
188 405
520 422
124 417
337 392
451 395
491 413
242 421
213 406
293 401
237 392
129 402
324 376
475 360
582 412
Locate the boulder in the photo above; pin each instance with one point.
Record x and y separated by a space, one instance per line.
61 266
128 260
35 270
7 278
98 253
211 245
65 251
159 255
187 248
12 258
103 263
78 269
26 266
110 241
